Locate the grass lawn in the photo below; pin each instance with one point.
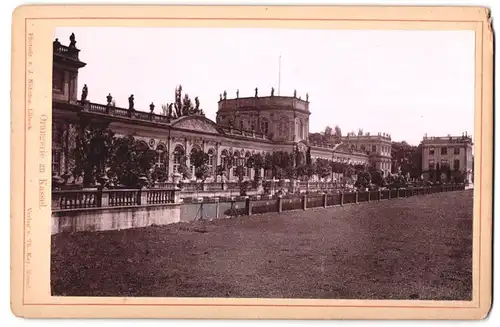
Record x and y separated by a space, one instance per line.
412 248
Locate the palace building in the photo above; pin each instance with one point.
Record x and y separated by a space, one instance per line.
243 126
455 152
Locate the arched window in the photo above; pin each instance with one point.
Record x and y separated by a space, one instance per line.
223 158
178 157
142 146
161 155
264 126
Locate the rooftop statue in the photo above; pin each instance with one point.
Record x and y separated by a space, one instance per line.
85 92
307 97
56 44
237 94
294 93
197 103
131 102
151 107
109 98
72 41
225 95
272 91
256 92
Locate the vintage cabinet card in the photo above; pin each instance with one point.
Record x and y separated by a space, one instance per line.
252 162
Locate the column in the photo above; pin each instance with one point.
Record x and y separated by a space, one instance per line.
169 160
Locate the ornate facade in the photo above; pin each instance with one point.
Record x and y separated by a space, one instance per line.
243 125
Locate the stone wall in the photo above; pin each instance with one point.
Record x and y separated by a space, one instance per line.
100 219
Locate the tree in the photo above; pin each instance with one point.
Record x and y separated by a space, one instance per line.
327 138
184 170
159 174
301 171
199 160
202 172
438 172
130 161
349 171
184 106
256 161
406 158
92 153
361 182
164 109
282 161
338 131
323 168
377 177
447 171
310 170
220 170
291 172
328 131
432 174
268 163
458 177
239 172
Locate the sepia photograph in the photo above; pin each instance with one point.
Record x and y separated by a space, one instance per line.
262 163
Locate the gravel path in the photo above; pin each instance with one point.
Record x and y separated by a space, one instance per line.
412 248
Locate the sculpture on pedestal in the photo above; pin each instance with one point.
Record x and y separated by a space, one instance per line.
131 102
85 92
56 44
72 41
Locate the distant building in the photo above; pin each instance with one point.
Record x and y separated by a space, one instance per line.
454 152
378 148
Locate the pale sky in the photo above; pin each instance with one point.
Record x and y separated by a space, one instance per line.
406 83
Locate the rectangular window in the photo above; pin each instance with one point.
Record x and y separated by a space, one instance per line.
374 148
456 151
444 151
57 80
444 163
431 151
56 162
432 164
456 164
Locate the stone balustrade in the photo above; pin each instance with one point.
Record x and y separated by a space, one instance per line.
66 51
86 199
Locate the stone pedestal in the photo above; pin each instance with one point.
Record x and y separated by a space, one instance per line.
176 178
